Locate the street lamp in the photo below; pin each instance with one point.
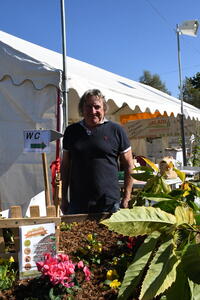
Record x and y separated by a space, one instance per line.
187 28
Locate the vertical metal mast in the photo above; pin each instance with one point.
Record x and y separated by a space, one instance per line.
64 73
181 98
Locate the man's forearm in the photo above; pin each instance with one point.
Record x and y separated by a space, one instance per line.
128 165
128 184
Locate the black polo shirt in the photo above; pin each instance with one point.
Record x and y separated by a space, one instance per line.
94 173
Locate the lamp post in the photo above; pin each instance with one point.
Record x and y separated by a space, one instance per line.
64 73
187 28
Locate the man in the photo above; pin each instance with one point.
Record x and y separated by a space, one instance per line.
91 151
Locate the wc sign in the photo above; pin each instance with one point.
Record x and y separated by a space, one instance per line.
37 141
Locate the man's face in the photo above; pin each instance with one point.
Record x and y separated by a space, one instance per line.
93 111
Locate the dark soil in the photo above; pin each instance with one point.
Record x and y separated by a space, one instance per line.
72 239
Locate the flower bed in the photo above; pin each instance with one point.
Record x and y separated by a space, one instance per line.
105 254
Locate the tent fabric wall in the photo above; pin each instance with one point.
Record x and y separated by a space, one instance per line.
23 108
29 78
28 95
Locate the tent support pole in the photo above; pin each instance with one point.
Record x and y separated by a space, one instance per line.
64 73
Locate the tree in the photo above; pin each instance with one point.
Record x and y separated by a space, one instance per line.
154 81
191 90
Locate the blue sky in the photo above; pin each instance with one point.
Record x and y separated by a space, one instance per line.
122 36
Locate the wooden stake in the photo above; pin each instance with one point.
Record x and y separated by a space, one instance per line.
46 181
58 194
51 211
15 212
34 211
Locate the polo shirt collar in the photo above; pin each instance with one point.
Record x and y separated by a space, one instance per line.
89 132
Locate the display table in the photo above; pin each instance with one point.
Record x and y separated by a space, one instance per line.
174 183
136 184
190 171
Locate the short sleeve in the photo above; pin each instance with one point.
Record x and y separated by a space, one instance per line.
124 141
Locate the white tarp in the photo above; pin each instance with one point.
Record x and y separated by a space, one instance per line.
28 61
29 78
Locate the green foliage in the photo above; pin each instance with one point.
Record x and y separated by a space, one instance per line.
145 173
8 273
67 226
191 90
57 293
191 262
91 252
139 221
163 264
167 264
134 273
195 155
154 81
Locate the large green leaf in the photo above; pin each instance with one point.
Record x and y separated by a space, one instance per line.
180 289
191 262
143 176
139 220
143 168
156 199
134 272
184 215
168 206
162 271
195 290
181 175
197 219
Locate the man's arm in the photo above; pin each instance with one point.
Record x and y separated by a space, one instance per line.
127 165
65 177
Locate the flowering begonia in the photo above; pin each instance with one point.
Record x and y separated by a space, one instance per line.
61 270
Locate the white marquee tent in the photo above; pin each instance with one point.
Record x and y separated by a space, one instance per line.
30 77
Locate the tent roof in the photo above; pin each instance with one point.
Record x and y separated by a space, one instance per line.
22 60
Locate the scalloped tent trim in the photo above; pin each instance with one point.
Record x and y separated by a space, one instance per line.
22 60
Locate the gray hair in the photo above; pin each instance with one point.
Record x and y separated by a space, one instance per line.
89 93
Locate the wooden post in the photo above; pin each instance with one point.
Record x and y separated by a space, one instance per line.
15 212
46 181
2 242
59 198
51 211
34 211
58 194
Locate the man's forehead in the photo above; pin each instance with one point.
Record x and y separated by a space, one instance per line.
94 99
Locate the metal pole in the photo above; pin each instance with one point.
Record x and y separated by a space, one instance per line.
64 73
181 98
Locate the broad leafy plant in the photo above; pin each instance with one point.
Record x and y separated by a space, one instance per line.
167 264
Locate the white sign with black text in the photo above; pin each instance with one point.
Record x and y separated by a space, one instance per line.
37 141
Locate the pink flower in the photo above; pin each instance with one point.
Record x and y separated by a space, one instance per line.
63 257
80 264
87 273
40 265
60 269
